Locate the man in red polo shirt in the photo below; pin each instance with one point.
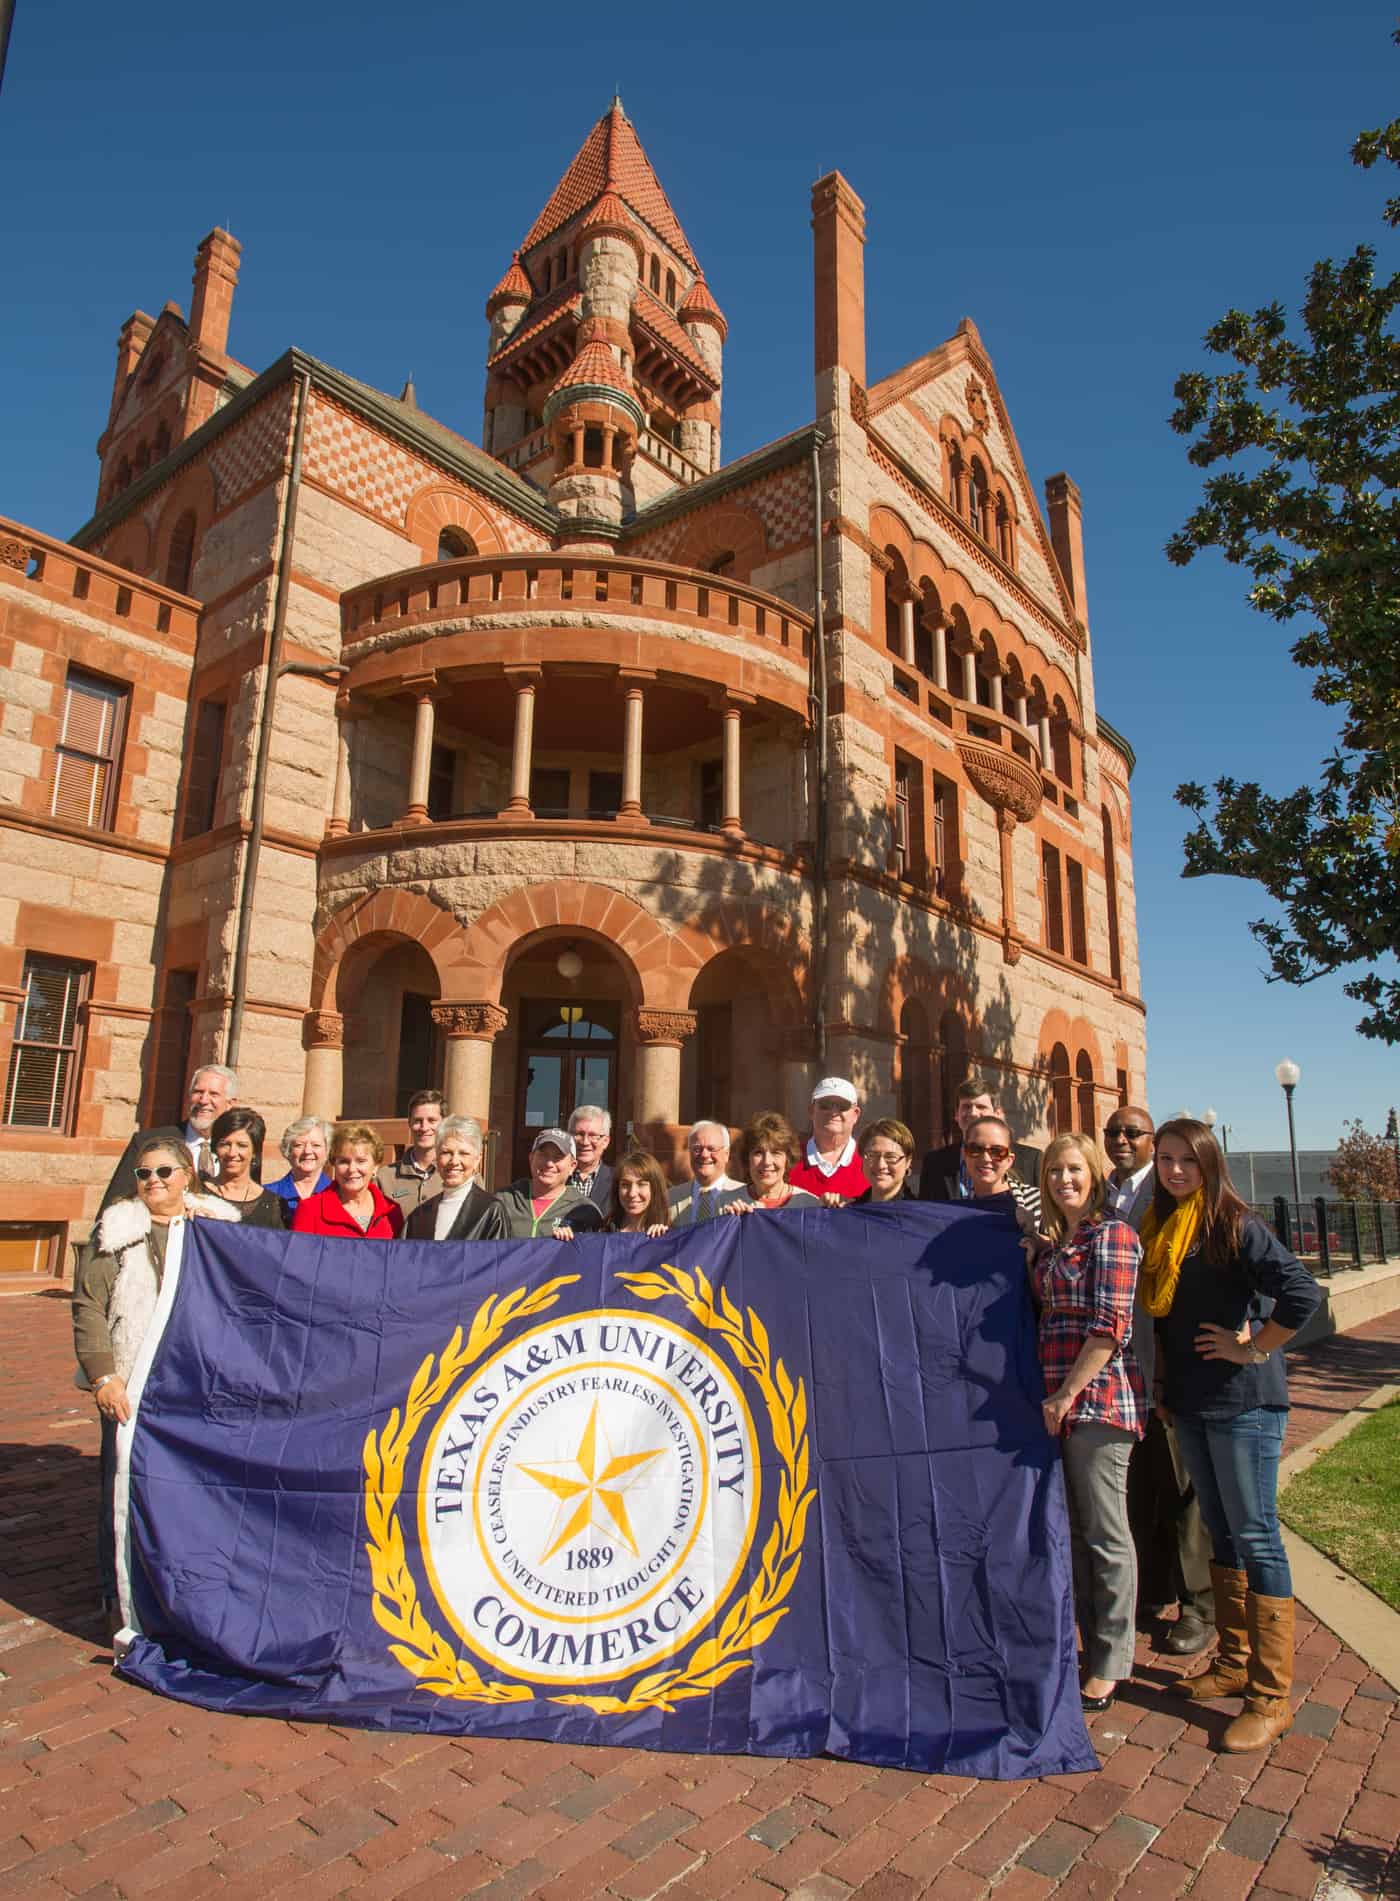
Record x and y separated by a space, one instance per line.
830 1165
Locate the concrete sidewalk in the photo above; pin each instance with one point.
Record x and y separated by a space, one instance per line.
106 1791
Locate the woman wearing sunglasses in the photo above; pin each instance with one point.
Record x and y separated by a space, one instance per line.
989 1163
1211 1273
114 1300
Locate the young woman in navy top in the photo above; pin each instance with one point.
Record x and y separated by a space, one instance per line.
1226 1295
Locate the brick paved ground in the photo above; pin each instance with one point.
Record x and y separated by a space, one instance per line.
106 1791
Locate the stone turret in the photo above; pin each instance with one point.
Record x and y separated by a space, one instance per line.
704 324
505 416
594 419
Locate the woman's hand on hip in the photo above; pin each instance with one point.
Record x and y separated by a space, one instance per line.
112 1401
1221 1343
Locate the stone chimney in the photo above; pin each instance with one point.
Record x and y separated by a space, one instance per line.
838 258
1067 537
131 343
215 275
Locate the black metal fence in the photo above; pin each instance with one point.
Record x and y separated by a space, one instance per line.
1333 1237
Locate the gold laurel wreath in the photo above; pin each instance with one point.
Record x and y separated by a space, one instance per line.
428 1656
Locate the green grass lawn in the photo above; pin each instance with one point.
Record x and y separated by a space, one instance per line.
1348 1503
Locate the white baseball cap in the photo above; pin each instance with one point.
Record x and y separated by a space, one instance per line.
835 1086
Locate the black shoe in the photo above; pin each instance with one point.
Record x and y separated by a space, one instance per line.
1093 1704
1188 1635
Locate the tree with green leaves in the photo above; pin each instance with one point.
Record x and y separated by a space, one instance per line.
1364 1167
1304 434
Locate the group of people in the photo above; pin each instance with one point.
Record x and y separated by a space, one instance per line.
1161 1304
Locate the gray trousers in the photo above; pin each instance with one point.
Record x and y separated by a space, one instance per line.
1105 1561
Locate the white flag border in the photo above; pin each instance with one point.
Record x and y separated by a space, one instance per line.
169 1280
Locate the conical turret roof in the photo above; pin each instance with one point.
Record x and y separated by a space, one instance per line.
699 306
611 159
513 288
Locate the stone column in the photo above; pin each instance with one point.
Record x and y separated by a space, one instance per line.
940 658
634 689
470 1030
524 680
996 693
323 1039
1018 710
660 1034
731 818
339 822
1006 833
424 717
906 631
969 677
1047 751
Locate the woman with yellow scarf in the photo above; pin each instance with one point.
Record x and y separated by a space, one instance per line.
1225 1295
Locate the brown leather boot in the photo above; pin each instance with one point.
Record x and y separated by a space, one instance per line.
1267 1712
1228 1674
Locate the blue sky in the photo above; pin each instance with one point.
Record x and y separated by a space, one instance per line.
1093 188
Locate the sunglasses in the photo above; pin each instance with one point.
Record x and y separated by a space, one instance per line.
992 1150
162 1174
1133 1135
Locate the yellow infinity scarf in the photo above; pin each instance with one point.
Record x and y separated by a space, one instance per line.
1164 1248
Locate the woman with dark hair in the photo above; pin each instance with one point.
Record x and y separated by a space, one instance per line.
1225 1295
354 1206
236 1138
770 1147
886 1149
989 1162
637 1199
1094 1404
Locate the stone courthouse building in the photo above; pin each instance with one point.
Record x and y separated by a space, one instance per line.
583 765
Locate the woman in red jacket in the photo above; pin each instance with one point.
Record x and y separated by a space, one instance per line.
354 1206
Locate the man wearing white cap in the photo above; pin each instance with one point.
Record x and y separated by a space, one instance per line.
831 1165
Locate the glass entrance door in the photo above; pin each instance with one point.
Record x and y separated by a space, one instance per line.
568 1056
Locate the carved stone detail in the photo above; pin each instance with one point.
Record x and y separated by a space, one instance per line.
322 1030
977 403
664 1026
1003 779
13 553
860 404
483 1021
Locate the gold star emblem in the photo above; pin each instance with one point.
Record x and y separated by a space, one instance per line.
606 1475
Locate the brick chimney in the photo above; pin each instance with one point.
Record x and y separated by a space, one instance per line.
838 260
1067 537
135 335
215 275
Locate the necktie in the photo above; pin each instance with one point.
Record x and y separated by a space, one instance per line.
707 1204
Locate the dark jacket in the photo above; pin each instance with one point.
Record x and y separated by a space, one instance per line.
599 1190
480 1218
571 1210
938 1178
122 1186
1225 1294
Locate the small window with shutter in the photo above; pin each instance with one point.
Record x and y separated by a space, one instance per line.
41 1089
88 754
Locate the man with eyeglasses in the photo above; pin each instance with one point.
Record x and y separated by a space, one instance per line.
591 1128
710 1189
213 1088
830 1166
1173 1549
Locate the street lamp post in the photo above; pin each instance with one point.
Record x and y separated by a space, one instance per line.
1287 1075
1392 1135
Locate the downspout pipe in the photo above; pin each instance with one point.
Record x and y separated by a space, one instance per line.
819 699
233 1040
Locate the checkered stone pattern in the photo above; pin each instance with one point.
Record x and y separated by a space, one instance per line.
249 454
382 477
783 502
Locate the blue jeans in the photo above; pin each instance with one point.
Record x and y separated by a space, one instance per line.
1234 1467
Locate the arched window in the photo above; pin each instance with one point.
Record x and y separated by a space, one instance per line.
1084 1078
1061 1091
593 448
654 277
143 458
671 288
952 1055
179 562
162 448
916 1073
1059 746
454 544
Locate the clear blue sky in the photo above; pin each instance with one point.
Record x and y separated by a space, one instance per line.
1093 188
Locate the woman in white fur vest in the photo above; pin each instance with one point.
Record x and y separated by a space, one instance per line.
114 1301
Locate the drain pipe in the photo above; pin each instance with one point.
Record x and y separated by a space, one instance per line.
269 706
819 698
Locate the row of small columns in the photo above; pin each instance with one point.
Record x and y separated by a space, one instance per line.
470 1030
526 681
1020 711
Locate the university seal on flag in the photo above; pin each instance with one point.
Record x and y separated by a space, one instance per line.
604 1508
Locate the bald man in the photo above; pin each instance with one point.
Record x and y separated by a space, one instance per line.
1173 1549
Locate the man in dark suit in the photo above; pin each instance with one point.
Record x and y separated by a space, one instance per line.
710 1188
591 1128
942 1177
212 1090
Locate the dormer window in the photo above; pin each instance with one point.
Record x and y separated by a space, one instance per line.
654 277
671 289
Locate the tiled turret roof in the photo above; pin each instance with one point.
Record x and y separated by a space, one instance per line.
596 365
699 306
513 288
611 159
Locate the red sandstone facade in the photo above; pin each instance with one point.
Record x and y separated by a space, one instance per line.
557 698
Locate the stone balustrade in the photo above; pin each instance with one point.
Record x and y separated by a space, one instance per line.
65 575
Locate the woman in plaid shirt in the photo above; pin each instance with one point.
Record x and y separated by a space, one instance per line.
1095 1402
